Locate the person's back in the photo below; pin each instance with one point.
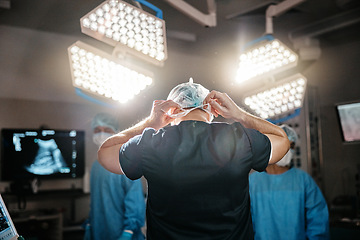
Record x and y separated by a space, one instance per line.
197 172
200 170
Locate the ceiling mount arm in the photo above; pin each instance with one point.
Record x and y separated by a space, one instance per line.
277 10
208 20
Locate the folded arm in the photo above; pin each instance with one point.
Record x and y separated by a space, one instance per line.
223 105
108 153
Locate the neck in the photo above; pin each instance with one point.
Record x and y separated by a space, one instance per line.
197 115
275 169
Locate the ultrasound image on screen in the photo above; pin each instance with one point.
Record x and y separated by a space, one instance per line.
48 159
42 153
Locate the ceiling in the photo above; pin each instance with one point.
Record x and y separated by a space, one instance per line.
64 16
238 21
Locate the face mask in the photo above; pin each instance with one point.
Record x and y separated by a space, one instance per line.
184 112
100 137
286 159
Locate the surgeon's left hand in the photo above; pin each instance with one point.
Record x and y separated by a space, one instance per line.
158 117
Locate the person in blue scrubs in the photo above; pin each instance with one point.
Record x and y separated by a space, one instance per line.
286 203
117 204
196 170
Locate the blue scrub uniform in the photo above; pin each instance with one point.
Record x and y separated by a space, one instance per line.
287 206
197 177
117 203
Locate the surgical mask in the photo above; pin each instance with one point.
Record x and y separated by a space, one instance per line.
100 137
184 112
286 159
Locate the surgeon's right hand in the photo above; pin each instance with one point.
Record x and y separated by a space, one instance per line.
158 117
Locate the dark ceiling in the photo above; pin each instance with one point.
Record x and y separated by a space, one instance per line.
64 16
330 21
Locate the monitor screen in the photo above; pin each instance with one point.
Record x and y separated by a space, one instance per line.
349 118
31 153
7 227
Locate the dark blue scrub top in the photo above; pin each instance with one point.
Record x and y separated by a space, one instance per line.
197 177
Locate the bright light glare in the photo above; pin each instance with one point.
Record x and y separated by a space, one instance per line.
279 99
102 75
115 22
266 57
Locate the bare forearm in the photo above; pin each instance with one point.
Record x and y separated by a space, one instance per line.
250 121
124 136
108 153
278 138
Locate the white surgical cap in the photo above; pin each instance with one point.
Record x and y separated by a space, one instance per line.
105 120
290 132
188 94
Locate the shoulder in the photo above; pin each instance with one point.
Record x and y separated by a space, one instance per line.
146 135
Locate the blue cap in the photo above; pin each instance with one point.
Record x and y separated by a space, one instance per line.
290 132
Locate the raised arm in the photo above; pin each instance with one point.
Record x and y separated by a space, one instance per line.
108 153
222 104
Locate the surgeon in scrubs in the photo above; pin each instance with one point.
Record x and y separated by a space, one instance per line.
196 170
286 203
117 204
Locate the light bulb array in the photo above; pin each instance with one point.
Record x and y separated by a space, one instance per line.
115 22
280 99
265 58
102 74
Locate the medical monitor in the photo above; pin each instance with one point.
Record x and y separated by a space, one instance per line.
7 227
349 119
44 154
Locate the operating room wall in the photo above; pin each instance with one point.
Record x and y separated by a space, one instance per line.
336 76
17 113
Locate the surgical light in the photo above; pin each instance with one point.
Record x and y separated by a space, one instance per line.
267 56
282 97
129 29
101 74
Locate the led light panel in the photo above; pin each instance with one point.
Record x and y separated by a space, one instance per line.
282 97
125 26
267 57
99 73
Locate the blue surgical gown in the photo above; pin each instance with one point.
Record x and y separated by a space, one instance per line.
287 206
117 203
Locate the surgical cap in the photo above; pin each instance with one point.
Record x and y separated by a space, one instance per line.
188 94
290 132
105 120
